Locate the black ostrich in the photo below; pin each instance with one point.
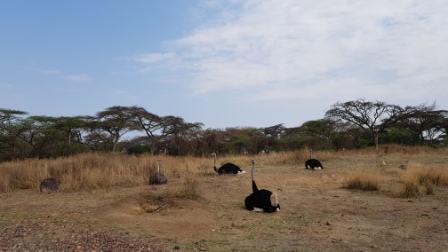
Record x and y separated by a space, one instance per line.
158 178
227 168
49 185
312 163
261 200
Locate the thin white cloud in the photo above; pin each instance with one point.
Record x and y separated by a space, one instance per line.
305 49
154 57
49 71
77 77
6 85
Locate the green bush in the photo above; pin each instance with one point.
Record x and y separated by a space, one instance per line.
138 149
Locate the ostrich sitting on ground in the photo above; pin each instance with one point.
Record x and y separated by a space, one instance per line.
312 163
261 200
227 168
157 178
49 185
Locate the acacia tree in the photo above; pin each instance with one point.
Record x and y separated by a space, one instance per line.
116 121
150 123
40 133
70 128
371 117
8 144
9 117
179 132
423 120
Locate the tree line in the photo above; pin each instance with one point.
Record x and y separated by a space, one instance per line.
346 125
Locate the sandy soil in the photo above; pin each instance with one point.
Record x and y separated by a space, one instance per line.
317 214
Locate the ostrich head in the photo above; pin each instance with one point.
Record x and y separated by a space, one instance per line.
274 201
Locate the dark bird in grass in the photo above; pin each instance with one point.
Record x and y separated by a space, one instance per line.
312 163
158 178
227 168
261 200
49 185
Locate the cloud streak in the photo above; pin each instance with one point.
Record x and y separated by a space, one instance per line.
78 77
312 49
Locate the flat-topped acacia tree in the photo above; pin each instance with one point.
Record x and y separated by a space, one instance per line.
372 117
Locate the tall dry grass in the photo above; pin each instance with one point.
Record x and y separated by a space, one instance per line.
100 170
97 170
421 180
363 181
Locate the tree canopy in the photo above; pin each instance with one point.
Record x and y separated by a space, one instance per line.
351 124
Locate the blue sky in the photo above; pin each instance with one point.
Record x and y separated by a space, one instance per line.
223 63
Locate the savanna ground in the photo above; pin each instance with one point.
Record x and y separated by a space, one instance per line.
198 210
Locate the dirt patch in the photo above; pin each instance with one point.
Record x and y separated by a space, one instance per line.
316 214
160 217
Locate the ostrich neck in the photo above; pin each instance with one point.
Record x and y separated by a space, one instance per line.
252 171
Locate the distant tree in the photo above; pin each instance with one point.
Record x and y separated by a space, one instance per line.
212 140
70 129
149 123
8 142
372 117
396 135
346 135
443 127
424 120
318 133
40 133
116 121
178 134
291 139
238 140
272 138
9 117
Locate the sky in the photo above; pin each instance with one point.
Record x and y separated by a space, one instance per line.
223 63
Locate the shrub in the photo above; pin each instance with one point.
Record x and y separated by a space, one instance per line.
138 149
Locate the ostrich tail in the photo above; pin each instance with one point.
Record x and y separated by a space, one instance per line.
254 187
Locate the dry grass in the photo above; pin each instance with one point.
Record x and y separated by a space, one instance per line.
362 181
366 170
421 180
200 210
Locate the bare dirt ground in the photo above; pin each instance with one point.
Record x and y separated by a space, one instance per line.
317 214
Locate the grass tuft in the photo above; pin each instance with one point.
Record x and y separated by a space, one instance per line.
361 181
189 189
421 180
